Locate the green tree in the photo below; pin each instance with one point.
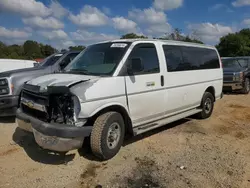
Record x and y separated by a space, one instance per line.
133 36
63 50
32 49
47 50
16 51
77 47
188 39
176 35
3 50
235 44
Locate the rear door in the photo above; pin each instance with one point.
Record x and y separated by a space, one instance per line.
145 91
174 79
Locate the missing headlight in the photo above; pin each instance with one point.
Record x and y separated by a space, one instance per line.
64 109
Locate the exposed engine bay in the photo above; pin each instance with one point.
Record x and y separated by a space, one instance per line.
63 109
57 105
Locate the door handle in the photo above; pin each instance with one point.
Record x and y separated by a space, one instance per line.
162 80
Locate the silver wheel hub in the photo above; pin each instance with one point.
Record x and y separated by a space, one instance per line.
208 105
114 134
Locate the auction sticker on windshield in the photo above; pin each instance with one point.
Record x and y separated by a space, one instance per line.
118 45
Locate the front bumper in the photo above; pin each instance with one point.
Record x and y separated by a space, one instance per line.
232 86
8 105
56 137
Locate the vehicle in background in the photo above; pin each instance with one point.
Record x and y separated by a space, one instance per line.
39 60
11 82
14 64
120 87
236 74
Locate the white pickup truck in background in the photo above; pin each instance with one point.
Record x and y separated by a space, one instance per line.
13 64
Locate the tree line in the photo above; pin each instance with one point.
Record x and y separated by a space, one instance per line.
30 50
233 44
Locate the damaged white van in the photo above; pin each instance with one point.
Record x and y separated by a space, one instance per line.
120 87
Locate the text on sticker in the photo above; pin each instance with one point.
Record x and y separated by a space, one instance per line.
118 45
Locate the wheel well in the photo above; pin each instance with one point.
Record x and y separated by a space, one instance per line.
211 90
119 109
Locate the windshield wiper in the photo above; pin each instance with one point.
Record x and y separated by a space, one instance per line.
83 71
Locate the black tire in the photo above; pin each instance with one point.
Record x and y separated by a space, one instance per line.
246 87
99 141
206 111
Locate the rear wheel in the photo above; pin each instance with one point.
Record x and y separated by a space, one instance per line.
107 135
207 106
246 87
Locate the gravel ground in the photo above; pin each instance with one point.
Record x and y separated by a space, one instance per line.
189 153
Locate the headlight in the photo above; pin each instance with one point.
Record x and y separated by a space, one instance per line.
238 76
3 82
4 91
77 105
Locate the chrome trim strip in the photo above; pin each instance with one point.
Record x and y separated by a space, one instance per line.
31 104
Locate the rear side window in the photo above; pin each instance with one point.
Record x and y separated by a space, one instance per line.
191 58
147 53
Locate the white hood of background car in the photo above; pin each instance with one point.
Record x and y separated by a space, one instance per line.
59 79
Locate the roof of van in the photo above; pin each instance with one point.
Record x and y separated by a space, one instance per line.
160 40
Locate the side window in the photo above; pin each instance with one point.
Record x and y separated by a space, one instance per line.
200 58
67 60
148 55
192 57
209 59
185 58
173 57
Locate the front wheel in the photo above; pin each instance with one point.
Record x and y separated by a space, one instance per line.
246 87
107 135
207 106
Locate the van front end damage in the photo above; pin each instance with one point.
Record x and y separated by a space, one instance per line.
52 116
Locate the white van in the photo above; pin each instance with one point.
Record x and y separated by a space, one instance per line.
13 64
120 87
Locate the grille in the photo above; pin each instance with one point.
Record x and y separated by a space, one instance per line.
40 99
36 98
228 78
43 116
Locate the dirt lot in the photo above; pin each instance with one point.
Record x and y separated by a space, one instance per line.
189 153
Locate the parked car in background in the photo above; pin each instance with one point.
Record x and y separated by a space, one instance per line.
120 87
11 82
14 64
236 74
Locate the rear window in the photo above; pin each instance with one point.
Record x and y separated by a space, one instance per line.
182 58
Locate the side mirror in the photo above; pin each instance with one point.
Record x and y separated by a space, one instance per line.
36 64
135 65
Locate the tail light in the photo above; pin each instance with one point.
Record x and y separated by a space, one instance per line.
221 65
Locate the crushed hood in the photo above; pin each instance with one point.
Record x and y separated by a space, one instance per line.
59 80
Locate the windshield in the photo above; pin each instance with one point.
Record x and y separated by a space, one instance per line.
235 63
49 61
99 59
